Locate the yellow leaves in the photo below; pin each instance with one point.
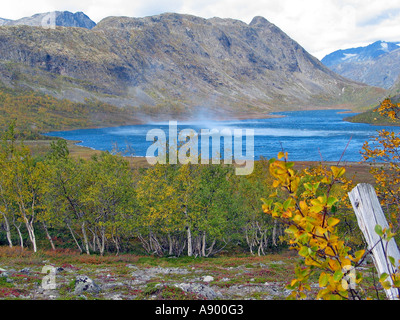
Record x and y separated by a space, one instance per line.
357 256
338 172
323 279
333 264
282 155
277 168
276 184
284 175
317 205
332 222
329 252
319 231
312 228
303 206
293 282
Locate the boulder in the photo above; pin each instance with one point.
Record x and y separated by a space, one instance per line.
208 279
199 289
85 284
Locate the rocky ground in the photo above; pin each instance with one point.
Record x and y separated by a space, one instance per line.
146 278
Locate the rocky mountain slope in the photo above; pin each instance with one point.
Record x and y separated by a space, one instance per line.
175 64
395 89
377 64
56 18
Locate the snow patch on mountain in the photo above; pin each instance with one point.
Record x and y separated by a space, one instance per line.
384 46
348 56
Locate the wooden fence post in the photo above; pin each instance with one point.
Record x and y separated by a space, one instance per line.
369 214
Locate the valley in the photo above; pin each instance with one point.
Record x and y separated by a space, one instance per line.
76 97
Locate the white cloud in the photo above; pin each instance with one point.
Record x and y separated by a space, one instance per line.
320 26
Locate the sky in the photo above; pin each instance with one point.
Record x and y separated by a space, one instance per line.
320 26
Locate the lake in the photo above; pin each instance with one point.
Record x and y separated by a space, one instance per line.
305 135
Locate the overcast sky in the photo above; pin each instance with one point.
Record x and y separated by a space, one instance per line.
320 26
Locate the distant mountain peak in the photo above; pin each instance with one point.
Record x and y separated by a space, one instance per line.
376 64
258 20
371 51
77 19
56 18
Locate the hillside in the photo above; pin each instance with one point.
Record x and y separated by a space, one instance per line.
35 113
174 64
377 64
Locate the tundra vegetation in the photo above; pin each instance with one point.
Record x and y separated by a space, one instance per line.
104 206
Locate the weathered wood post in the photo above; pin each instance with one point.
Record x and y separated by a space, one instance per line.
369 214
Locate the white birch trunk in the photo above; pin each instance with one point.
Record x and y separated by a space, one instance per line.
189 241
8 230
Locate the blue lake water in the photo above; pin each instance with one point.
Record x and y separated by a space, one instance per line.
305 135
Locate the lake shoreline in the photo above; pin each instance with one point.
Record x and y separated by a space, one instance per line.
360 170
306 135
238 116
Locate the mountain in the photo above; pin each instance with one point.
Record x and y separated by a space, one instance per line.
176 64
377 64
4 21
56 18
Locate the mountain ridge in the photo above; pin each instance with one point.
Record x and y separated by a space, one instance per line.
175 64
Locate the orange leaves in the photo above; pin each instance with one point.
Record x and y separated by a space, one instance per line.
389 109
384 151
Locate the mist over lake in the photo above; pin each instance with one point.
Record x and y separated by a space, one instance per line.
305 135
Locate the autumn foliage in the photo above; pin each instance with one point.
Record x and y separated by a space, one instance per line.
383 152
305 203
